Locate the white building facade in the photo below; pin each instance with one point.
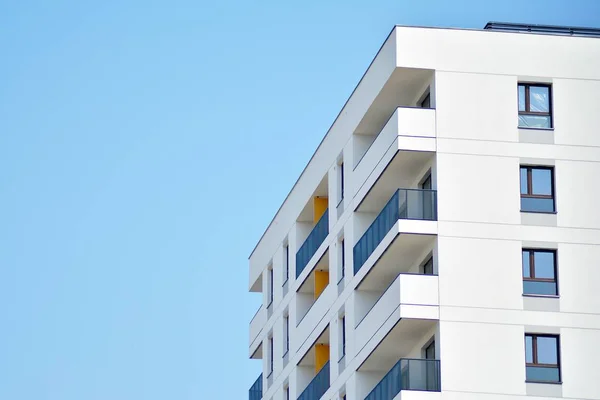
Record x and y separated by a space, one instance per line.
443 242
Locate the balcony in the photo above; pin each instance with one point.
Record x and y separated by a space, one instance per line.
408 129
399 335
313 288
413 204
408 374
256 325
255 392
312 243
411 301
318 386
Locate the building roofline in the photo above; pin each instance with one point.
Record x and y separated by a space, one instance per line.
531 29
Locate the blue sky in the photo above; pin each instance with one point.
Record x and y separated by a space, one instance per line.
144 148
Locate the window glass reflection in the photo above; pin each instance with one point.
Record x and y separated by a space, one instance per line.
539 99
534 121
544 264
528 349
523 180
547 351
521 98
541 181
526 266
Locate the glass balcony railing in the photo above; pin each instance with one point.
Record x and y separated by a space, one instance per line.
404 204
255 392
408 374
318 386
312 243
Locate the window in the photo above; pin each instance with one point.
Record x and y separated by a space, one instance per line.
535 108
286 263
271 350
271 355
539 272
428 266
342 259
430 351
426 102
542 360
286 327
270 284
426 184
341 178
537 189
343 322
427 197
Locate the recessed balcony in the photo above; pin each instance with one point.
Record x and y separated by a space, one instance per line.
409 300
313 298
408 129
312 243
404 204
313 371
408 374
318 386
389 369
312 226
406 88
313 287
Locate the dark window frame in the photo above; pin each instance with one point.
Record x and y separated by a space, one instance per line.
341 181
287 334
343 322
530 194
426 181
343 258
426 99
286 267
423 266
532 277
534 351
270 283
271 356
428 346
528 86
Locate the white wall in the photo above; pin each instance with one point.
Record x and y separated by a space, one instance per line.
578 195
579 278
473 188
480 273
579 357
576 111
477 106
484 358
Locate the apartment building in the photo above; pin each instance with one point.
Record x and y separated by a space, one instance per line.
443 242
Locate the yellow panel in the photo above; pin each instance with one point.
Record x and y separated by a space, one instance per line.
321 356
321 282
320 206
